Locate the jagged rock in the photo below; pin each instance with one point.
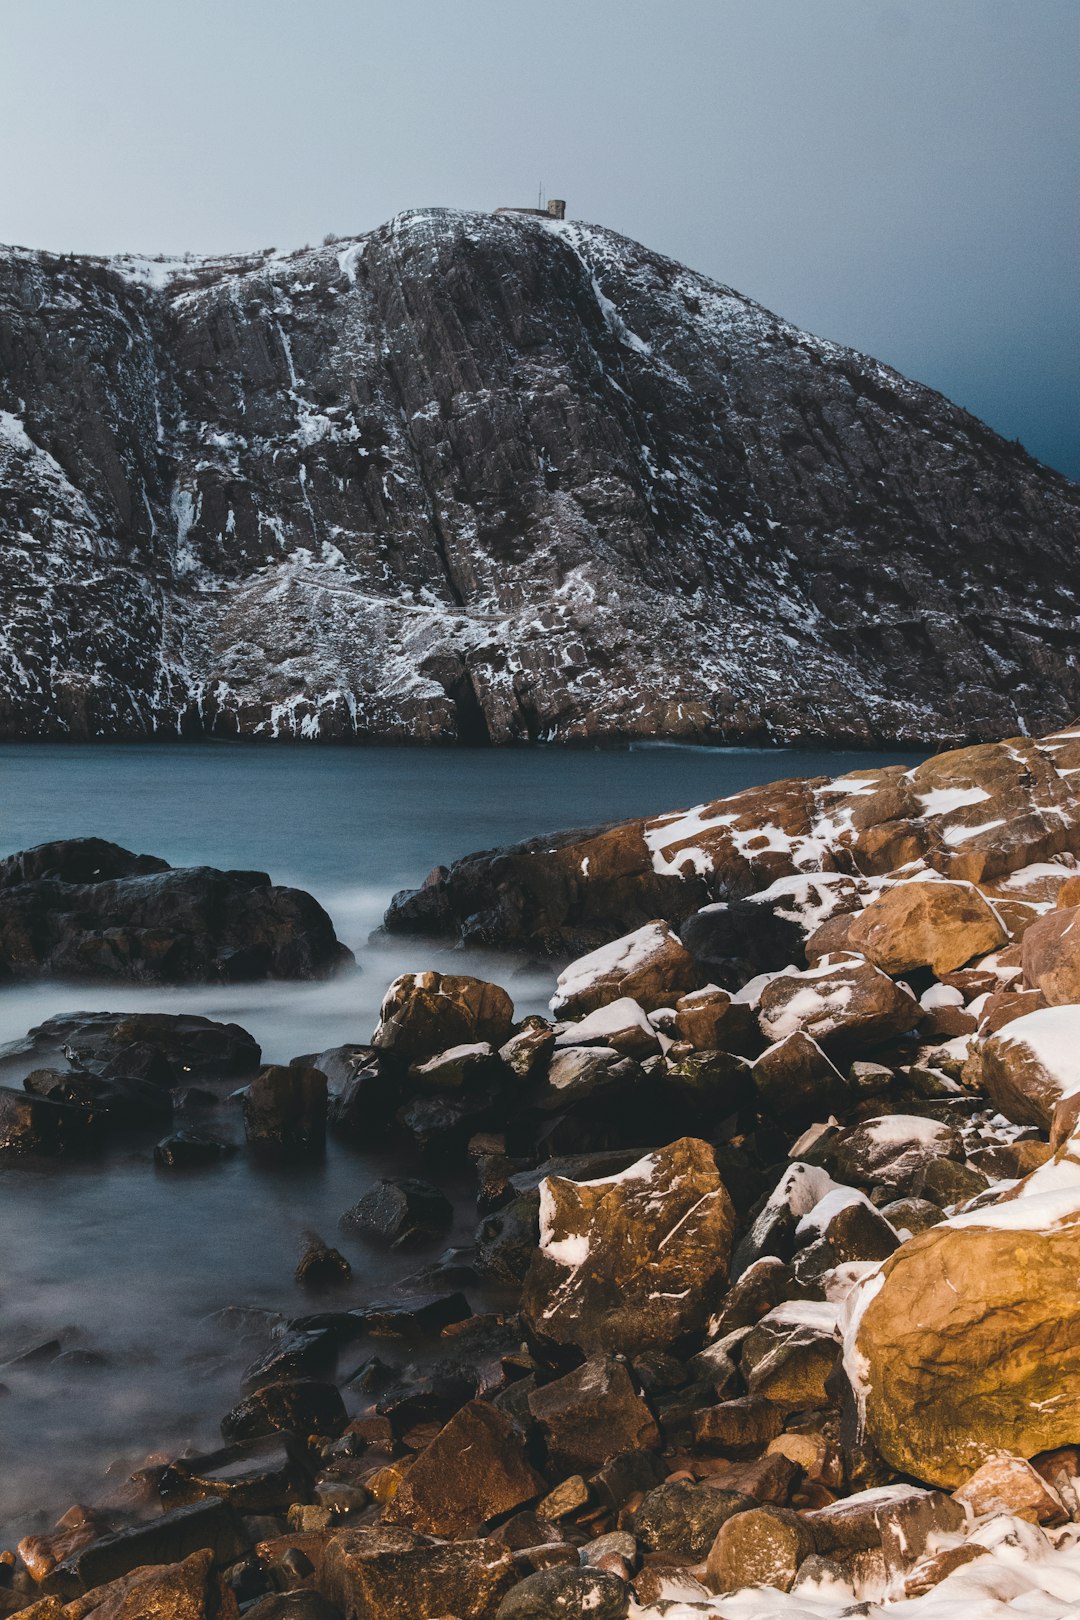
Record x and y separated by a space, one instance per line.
456 1068
712 1022
260 1475
577 1073
201 1535
190 1590
761 1547
188 1148
567 1594
591 1415
526 1053
788 1355
99 912
901 1520
164 1049
383 1574
772 1230
921 924
31 1124
319 1265
738 1428
843 1004
472 1472
426 1013
76 1529
650 966
795 1081
633 1260
1032 1065
399 1211
966 1344
286 1107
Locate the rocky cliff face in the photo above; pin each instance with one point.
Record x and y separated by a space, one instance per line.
488 478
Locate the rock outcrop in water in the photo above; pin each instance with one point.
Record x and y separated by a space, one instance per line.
486 478
745 879
83 908
785 1272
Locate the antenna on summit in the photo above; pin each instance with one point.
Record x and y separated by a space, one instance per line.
540 197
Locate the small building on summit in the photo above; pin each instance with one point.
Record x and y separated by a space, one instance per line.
556 209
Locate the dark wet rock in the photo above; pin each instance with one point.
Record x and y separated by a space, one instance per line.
527 1051
384 1574
775 1218
164 1049
683 1518
425 1013
76 1529
301 1406
712 1022
635 1260
763 1284
163 926
211 1524
567 1594
297 1353
796 1082
400 1211
189 1149
506 1240
363 1103
413 1318
319 1265
591 1415
260 1474
36 1125
473 1471
286 1108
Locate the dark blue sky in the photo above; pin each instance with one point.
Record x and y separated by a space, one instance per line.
900 175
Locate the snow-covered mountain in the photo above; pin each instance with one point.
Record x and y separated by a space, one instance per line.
500 477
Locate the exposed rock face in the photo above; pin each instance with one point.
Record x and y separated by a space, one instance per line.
976 815
86 909
491 478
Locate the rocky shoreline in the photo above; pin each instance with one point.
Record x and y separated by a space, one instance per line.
772 1304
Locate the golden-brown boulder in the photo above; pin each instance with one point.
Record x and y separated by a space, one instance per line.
926 923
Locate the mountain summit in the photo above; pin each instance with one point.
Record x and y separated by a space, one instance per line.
486 477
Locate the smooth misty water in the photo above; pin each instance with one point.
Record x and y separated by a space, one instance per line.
126 1260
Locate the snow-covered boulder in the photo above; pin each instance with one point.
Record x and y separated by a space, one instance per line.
842 1002
650 965
635 1260
1032 1064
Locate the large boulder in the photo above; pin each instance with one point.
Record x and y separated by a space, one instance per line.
474 1471
635 1260
924 922
651 966
844 1003
84 909
591 1415
385 1574
967 1342
1051 956
166 1049
1032 1064
423 1014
